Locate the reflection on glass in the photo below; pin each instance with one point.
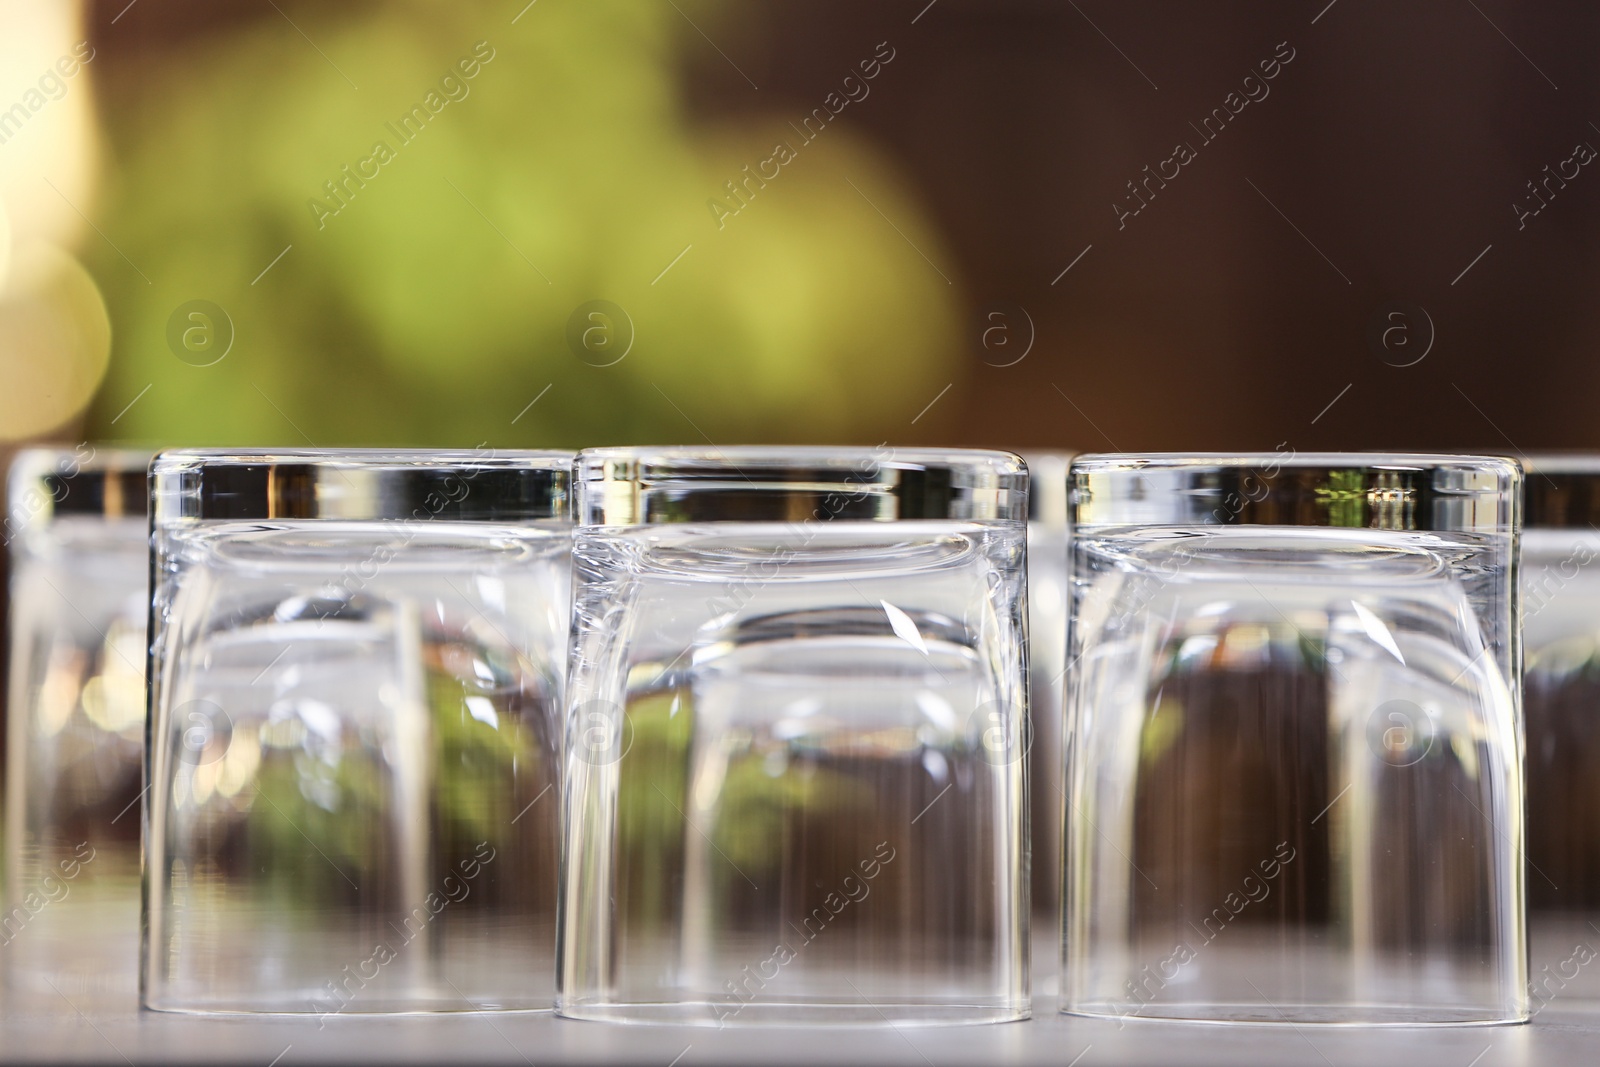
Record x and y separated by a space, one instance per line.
795 742
354 748
77 533
1295 775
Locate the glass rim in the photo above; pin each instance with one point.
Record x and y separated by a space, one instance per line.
1562 462
647 485
1375 461
805 457
360 484
45 483
464 458
1442 492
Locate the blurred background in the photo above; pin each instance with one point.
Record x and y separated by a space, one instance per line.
570 222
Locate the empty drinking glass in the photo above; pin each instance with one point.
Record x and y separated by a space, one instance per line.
80 569
355 701
796 775
1295 772
1561 696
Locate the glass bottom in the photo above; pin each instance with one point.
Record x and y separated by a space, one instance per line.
1377 1015
807 1013
287 1007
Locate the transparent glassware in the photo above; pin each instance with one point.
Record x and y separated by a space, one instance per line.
1047 664
1561 699
796 787
78 537
355 704
1295 770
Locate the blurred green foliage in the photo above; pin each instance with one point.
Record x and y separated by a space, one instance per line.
652 789
757 802
434 306
477 763
758 805
351 799
337 805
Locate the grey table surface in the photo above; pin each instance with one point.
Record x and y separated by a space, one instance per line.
42 1033
101 1023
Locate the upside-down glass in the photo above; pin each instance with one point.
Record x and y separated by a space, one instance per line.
1047 663
1561 696
796 776
1295 771
78 537
356 665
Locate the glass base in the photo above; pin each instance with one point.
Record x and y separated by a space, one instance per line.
377 1007
323 1003
1381 1015
810 1013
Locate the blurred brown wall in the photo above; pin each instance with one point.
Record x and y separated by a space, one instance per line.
1395 142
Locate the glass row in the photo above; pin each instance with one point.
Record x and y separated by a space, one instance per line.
777 735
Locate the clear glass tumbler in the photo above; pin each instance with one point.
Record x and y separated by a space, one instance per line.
1561 697
356 673
796 786
80 572
1295 771
1047 665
